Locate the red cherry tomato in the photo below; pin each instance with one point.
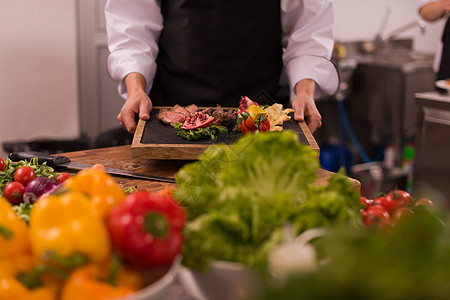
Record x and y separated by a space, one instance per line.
378 200
395 199
244 128
250 124
365 201
24 175
424 202
13 192
166 192
2 164
376 215
401 213
264 126
99 167
63 177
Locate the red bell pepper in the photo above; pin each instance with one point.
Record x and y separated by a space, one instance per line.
146 229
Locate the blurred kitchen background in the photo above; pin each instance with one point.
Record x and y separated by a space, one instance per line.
56 94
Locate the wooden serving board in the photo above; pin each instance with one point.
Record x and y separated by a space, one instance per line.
156 140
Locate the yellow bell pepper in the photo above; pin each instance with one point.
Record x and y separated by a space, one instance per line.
12 289
13 232
92 282
65 227
101 188
43 287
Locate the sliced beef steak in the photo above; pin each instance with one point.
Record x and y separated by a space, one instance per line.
222 117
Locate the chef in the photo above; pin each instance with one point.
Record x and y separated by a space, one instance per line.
209 52
432 10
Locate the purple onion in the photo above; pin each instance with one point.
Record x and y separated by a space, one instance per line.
38 187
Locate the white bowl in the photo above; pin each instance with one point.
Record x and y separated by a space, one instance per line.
157 288
222 281
225 280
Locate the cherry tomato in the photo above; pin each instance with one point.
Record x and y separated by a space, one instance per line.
425 202
365 202
24 175
63 177
376 215
166 192
264 126
98 167
13 192
2 164
378 200
250 124
388 203
395 199
401 213
244 128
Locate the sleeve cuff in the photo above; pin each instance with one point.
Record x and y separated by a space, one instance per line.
317 68
130 63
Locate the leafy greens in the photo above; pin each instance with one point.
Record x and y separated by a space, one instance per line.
209 132
239 197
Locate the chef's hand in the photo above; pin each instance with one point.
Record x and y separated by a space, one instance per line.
434 10
445 4
305 106
137 103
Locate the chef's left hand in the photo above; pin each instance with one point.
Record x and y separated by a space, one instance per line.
305 106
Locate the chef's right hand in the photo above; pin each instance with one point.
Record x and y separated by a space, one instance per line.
137 103
445 5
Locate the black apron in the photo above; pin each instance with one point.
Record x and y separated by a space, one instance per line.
215 51
444 67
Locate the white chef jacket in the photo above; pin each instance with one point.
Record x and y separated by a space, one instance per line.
134 26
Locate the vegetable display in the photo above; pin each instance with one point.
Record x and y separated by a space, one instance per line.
239 197
59 247
15 177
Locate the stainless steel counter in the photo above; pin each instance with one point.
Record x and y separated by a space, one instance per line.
431 171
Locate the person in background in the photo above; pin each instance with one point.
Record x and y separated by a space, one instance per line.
209 52
432 10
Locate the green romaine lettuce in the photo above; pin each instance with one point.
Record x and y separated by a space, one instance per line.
239 197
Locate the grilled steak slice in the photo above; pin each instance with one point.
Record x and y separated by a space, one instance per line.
176 114
192 109
170 117
221 117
